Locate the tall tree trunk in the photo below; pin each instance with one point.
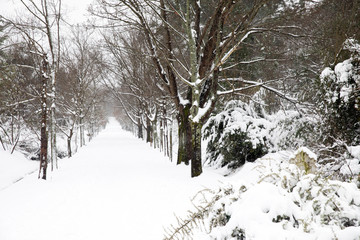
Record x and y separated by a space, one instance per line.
140 130
154 132
196 164
69 143
161 135
53 150
148 130
185 137
167 140
43 134
76 139
171 143
82 131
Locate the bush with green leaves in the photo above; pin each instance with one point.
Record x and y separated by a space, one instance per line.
236 149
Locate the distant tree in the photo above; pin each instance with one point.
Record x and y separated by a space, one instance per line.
133 83
78 84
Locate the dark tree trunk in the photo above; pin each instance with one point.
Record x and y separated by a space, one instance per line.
196 164
43 136
154 133
161 135
69 143
185 137
170 143
148 130
140 131
167 142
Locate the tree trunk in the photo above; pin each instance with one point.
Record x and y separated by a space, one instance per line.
69 143
161 136
167 141
148 130
44 147
53 150
196 164
185 141
154 132
82 130
43 136
76 139
140 131
170 143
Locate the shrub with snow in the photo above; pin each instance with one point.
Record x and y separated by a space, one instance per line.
244 132
340 97
273 199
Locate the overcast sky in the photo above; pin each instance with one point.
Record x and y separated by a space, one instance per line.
74 10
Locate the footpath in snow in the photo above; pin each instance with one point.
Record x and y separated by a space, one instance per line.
116 187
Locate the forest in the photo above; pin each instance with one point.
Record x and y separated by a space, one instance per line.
212 84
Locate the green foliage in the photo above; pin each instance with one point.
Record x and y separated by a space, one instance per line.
233 148
237 149
245 132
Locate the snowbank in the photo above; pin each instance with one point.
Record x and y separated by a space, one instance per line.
14 167
273 199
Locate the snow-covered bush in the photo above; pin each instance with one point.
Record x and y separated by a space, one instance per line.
244 132
278 198
340 97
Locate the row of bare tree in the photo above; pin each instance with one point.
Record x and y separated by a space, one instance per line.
167 63
184 56
50 78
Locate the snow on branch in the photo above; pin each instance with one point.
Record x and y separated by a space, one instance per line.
253 61
257 84
252 85
233 49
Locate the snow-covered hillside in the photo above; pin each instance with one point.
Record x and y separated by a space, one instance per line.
117 187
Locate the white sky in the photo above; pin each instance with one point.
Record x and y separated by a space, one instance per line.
75 11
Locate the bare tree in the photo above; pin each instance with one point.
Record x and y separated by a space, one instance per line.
42 32
78 83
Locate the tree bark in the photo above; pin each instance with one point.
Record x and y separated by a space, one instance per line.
185 141
43 135
69 143
161 135
139 128
82 131
170 143
154 133
148 130
196 164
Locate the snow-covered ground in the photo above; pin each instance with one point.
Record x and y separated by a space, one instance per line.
116 187
13 167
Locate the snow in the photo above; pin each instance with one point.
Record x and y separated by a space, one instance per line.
341 78
13 167
354 151
118 187
307 151
284 202
351 167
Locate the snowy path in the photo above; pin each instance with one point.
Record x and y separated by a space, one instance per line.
117 187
